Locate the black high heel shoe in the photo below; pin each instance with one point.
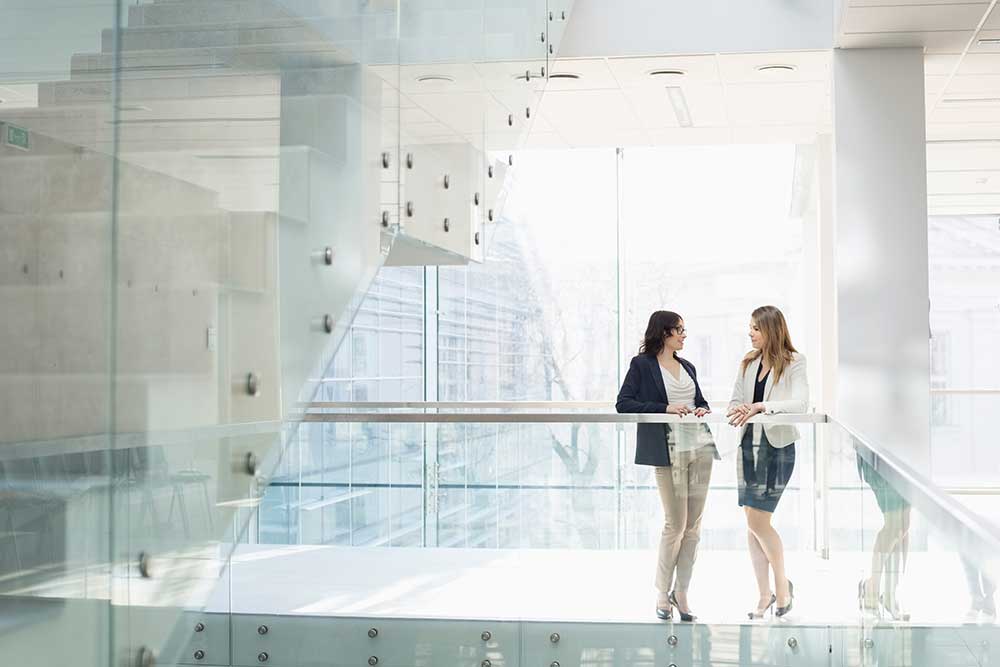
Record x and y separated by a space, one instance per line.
664 614
759 613
781 611
685 616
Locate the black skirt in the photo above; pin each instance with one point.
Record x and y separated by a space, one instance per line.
763 471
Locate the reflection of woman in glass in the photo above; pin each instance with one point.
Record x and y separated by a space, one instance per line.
771 379
877 593
981 591
682 455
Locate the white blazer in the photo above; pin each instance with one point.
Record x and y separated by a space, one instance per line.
789 394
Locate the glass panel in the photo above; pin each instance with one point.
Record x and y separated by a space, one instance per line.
56 221
258 145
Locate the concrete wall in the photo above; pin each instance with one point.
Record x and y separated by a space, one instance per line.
881 246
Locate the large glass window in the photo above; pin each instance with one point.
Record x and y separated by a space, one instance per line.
590 242
964 277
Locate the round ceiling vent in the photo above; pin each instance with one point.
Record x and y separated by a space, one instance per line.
435 78
776 68
667 72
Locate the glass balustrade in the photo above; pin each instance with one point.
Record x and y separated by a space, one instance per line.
195 196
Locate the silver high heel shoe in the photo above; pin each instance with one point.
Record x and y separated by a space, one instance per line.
759 613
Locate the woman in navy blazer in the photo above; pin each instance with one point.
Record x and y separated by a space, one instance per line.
681 455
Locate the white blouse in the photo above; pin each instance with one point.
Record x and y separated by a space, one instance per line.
681 391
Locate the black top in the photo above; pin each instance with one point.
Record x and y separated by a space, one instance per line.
643 391
758 386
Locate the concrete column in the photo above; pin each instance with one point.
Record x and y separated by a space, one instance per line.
881 246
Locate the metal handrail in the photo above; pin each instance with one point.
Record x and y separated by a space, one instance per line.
975 534
966 392
549 418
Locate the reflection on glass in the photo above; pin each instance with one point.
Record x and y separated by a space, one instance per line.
878 592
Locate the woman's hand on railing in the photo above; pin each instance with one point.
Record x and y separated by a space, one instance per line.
701 412
680 410
740 414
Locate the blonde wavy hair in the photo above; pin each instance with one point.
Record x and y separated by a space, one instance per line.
777 349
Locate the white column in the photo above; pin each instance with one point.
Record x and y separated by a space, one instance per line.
881 247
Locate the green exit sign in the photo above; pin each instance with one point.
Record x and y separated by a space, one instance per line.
17 137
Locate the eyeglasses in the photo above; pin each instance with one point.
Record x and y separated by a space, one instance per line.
680 331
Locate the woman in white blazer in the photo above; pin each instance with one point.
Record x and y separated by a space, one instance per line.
771 379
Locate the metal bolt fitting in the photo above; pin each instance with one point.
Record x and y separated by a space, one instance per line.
328 323
793 643
373 661
262 629
447 225
373 633
251 464
486 663
672 640
262 656
199 627
486 636
328 255
869 643
253 385
199 655
554 638
385 160
145 569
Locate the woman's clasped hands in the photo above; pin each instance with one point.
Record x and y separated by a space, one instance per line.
683 410
740 414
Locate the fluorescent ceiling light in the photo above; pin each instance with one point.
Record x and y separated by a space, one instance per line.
989 41
679 103
564 75
972 101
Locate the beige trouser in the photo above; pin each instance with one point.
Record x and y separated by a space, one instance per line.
683 489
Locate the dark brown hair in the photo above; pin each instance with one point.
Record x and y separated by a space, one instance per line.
661 326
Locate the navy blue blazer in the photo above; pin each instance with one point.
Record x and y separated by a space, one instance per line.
643 391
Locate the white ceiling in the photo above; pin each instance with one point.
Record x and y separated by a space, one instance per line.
962 85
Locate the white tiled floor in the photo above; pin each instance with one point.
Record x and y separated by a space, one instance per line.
608 586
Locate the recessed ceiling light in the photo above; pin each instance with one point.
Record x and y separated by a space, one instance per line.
133 107
564 75
429 78
666 72
989 41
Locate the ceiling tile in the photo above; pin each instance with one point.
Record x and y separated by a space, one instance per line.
777 104
572 111
635 71
950 41
743 68
913 18
594 74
